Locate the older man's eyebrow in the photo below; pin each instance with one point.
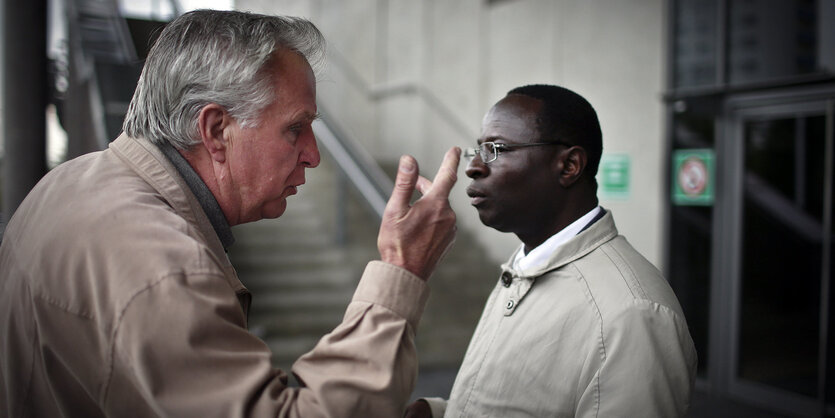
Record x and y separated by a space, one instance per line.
306 117
309 117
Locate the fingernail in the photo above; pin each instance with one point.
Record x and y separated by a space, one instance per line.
406 165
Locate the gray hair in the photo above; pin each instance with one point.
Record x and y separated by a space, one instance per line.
209 56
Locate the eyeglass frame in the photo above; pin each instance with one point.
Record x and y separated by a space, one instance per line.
499 147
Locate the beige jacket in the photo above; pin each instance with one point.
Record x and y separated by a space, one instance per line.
117 299
595 331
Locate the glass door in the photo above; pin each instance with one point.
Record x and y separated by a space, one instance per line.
780 263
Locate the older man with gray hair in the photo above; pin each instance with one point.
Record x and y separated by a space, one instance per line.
116 295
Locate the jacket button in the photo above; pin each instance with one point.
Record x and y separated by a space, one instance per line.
510 304
507 278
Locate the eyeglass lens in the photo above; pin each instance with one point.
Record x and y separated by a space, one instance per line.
486 150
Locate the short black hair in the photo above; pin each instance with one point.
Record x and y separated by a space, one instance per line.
567 116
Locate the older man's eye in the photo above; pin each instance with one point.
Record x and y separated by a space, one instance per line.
296 129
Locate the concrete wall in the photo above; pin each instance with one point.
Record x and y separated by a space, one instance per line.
416 77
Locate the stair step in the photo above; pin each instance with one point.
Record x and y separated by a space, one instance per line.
283 301
267 259
324 276
296 324
280 242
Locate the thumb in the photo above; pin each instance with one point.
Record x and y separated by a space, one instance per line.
404 185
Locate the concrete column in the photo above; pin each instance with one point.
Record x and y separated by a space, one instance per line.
24 100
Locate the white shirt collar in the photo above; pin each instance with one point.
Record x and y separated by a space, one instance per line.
541 253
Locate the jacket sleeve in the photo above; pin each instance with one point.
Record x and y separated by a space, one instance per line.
181 350
648 367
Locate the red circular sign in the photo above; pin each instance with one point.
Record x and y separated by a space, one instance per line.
692 176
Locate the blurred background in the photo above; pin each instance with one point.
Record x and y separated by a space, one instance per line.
717 120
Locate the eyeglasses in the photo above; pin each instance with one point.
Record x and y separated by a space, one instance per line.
489 151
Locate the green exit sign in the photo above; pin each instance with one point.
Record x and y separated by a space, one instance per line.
613 176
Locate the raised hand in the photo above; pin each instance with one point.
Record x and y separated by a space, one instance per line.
417 236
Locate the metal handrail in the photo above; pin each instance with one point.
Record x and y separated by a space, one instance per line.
374 185
381 91
359 167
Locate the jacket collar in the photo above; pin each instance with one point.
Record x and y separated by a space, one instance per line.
148 161
578 246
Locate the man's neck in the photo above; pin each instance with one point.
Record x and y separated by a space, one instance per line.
202 190
200 160
547 247
560 222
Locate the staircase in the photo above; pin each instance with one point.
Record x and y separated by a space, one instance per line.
302 274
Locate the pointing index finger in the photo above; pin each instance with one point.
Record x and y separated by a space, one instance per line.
447 173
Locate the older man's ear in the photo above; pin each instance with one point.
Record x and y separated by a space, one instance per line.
213 124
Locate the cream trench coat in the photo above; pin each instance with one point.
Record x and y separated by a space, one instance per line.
117 299
595 331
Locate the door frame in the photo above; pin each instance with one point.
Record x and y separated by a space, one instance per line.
727 245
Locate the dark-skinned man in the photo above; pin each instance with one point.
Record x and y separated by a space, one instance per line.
579 323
